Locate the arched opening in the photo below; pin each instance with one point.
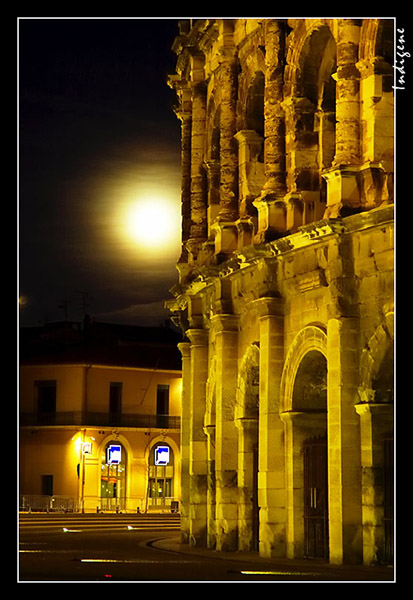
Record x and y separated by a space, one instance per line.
383 382
161 476
310 385
254 112
311 122
113 476
304 403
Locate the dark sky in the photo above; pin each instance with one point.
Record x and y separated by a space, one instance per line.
96 132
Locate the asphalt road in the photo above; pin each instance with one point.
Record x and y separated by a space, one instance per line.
87 548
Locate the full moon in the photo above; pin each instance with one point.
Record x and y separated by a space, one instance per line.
153 223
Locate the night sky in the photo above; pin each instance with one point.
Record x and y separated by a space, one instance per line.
97 131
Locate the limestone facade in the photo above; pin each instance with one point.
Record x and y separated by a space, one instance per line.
286 291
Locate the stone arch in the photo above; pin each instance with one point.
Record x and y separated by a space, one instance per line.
300 47
376 363
310 109
303 405
310 340
376 40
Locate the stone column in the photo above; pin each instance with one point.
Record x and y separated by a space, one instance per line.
211 512
247 470
228 83
197 438
251 175
271 468
342 178
185 349
343 431
226 437
376 422
198 226
212 168
270 205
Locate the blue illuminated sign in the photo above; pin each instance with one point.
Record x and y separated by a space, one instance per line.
161 456
113 454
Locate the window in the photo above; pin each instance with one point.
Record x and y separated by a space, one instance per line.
162 405
45 391
113 476
47 485
161 471
115 402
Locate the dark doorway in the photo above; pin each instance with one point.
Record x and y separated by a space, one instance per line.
315 498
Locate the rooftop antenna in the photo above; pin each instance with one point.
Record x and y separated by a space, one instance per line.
84 303
64 307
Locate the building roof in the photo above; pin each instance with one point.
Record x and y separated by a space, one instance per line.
101 344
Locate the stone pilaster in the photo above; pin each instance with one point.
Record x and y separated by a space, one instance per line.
247 486
198 226
226 436
185 349
228 81
270 204
376 423
185 116
197 438
342 179
271 475
343 431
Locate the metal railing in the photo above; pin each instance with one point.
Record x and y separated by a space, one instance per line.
67 504
39 503
100 419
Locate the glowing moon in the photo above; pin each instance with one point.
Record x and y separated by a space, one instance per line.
153 224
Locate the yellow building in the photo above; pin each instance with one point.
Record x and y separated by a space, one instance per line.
285 287
100 418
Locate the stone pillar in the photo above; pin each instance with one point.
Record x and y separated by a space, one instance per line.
270 205
185 349
198 226
271 475
197 438
343 431
251 171
185 116
228 83
212 168
226 438
247 470
211 512
376 423
342 178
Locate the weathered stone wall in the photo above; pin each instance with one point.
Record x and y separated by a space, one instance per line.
287 269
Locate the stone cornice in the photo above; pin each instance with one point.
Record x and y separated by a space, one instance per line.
306 236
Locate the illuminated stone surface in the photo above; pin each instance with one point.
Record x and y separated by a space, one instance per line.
286 279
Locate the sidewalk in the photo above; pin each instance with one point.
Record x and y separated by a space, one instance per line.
316 569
